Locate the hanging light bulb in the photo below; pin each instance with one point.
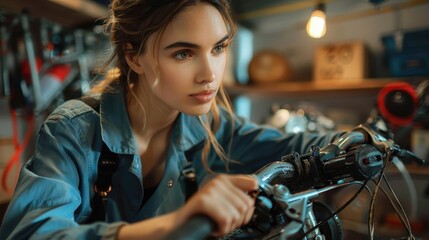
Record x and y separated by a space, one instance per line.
316 25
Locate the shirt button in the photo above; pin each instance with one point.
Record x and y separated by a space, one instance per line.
170 184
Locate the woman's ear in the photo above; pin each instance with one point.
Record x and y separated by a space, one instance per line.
133 60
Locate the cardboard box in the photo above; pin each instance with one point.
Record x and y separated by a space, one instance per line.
342 62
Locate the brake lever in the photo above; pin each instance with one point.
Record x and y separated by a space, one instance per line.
387 145
376 139
266 187
410 156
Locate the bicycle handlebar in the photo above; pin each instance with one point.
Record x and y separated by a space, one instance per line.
358 154
360 163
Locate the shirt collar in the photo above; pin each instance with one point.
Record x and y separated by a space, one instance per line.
115 125
117 133
188 132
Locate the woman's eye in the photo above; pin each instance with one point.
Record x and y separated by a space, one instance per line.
219 48
182 55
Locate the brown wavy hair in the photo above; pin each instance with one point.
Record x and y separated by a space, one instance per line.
131 23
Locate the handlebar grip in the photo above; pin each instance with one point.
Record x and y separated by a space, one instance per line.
197 228
410 156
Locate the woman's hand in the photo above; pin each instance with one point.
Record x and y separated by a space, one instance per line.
224 199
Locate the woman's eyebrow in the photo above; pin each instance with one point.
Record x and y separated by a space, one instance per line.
192 45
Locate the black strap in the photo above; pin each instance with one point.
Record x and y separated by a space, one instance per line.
107 166
189 172
190 179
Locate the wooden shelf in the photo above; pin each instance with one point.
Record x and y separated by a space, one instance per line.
68 13
312 87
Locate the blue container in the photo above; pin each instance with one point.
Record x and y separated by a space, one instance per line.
409 64
409 57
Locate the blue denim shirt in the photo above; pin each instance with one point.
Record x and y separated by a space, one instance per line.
52 197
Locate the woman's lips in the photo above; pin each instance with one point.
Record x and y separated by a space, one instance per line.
204 96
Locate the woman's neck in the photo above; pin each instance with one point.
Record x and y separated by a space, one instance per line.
151 129
156 117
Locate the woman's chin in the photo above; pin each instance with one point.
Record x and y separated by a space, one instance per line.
197 111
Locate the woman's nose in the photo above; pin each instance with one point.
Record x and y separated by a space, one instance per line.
206 72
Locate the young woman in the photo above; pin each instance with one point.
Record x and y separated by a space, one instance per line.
163 109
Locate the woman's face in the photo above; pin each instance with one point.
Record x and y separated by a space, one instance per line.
191 58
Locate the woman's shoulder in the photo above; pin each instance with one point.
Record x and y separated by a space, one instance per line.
75 107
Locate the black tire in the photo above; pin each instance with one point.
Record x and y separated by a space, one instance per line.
332 229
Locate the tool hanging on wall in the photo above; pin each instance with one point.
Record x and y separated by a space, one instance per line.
28 75
21 102
4 86
40 62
